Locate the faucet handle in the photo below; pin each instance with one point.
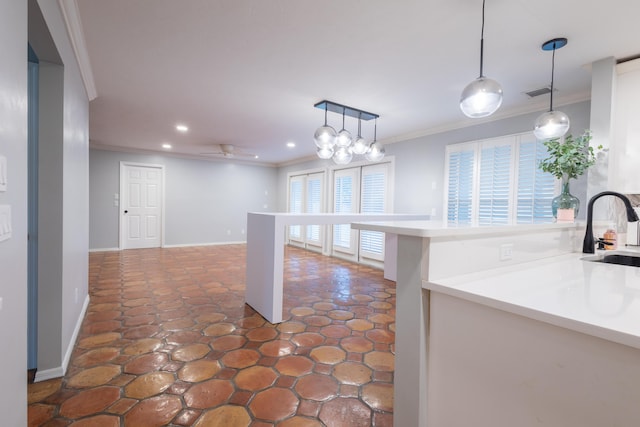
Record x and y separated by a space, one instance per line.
602 243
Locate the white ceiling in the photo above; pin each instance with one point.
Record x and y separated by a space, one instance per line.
248 72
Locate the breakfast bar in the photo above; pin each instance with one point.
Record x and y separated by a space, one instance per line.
265 253
513 325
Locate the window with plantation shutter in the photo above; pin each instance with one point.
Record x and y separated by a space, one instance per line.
373 199
460 177
495 184
295 205
314 205
361 189
497 181
535 188
344 201
307 195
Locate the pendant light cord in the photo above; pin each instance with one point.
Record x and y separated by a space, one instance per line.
553 67
325 113
482 40
375 130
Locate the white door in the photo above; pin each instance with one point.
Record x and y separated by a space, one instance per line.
141 188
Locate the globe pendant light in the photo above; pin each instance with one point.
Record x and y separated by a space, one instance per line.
342 156
376 150
325 153
325 136
552 124
360 146
483 96
344 136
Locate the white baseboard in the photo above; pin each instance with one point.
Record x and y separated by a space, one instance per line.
186 245
59 371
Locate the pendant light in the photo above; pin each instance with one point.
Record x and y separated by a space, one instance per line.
483 96
344 136
552 124
325 136
376 150
341 147
360 145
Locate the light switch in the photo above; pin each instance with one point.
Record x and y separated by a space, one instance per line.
5 222
3 173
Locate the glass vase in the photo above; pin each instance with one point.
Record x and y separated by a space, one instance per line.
562 205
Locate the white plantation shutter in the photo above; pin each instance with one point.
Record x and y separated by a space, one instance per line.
314 205
373 199
344 201
498 181
295 205
495 185
535 188
459 187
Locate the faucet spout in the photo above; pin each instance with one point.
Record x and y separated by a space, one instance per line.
588 246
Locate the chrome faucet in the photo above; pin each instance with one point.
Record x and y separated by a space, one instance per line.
588 247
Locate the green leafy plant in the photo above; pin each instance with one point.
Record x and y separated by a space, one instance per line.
569 158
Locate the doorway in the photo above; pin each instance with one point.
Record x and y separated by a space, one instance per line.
141 205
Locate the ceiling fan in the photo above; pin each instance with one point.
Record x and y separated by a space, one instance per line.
228 151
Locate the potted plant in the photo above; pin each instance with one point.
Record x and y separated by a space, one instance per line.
568 160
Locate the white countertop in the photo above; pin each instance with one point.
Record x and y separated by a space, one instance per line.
442 229
598 299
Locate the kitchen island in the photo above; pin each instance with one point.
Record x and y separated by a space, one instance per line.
508 326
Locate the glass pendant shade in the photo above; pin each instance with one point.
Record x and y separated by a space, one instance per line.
552 124
325 137
325 153
342 156
376 152
344 138
360 146
481 98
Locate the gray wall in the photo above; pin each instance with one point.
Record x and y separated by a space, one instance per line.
62 309
50 215
206 202
13 252
419 162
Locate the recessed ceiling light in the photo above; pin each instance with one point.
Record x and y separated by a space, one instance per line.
166 146
291 144
181 128
256 157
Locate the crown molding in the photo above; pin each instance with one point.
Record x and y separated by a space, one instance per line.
71 16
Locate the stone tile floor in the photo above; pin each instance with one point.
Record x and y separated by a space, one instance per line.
168 341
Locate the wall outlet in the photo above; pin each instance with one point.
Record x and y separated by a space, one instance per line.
242 231
228 232
506 252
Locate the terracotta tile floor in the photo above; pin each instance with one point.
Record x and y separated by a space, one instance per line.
168 341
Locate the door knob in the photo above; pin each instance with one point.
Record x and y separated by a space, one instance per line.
126 211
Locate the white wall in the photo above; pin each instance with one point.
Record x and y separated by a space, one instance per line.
13 252
206 202
419 167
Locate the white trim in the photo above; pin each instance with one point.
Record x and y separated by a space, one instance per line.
123 165
186 245
104 250
59 371
71 17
